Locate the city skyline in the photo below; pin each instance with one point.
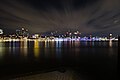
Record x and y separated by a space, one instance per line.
22 30
24 35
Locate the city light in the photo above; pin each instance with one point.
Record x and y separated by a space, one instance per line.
23 35
1 31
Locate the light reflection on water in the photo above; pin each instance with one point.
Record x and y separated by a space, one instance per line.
53 51
40 54
110 43
23 47
36 48
47 47
58 51
2 49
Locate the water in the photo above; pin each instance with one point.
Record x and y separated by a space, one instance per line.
89 58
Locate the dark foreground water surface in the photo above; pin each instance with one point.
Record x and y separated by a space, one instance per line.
95 60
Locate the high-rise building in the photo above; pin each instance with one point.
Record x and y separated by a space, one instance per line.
22 32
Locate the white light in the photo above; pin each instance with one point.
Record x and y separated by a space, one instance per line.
75 32
110 34
1 31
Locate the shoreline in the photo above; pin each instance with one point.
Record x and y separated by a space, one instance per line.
14 76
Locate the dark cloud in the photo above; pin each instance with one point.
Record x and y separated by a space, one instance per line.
106 20
45 15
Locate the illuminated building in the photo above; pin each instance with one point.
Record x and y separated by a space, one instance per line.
110 36
35 36
76 34
22 32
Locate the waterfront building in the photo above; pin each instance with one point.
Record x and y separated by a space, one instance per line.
22 32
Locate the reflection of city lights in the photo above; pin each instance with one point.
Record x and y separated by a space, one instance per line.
36 48
90 43
24 47
52 44
86 43
2 49
13 47
25 44
57 44
77 43
58 51
46 43
110 43
10 46
14 44
21 44
93 43
36 44
25 51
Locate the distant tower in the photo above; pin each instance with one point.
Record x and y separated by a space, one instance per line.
110 36
1 31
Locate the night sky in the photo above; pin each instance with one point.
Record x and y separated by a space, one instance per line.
87 16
